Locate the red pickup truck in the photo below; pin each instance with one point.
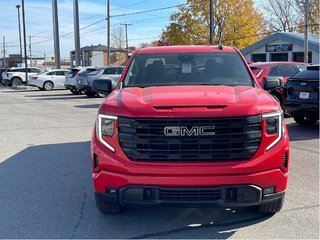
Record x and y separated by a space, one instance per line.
189 125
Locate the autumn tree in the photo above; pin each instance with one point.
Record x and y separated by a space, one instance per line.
236 22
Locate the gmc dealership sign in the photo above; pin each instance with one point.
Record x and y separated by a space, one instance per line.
279 48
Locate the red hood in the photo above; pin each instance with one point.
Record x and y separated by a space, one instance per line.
189 101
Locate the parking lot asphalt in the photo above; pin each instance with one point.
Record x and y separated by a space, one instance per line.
46 189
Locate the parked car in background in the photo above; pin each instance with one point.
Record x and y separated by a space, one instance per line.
84 83
276 69
1 71
302 100
17 76
49 80
70 79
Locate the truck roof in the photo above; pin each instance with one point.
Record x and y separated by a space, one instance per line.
190 48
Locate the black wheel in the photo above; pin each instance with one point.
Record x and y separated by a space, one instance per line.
76 92
272 206
278 98
16 82
101 95
106 207
40 88
90 93
305 120
48 85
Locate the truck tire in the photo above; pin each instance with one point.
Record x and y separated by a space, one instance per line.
90 93
101 95
15 82
305 121
277 97
106 207
75 92
272 206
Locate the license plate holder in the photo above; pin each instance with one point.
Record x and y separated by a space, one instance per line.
304 95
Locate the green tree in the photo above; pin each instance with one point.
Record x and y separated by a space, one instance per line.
236 22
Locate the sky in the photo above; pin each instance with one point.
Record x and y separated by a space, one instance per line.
145 27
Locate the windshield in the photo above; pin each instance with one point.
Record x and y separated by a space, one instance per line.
187 69
87 71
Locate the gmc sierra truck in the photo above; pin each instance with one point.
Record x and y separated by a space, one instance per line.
189 125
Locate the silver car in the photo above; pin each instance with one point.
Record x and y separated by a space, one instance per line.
85 80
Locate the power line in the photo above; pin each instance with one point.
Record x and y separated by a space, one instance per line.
119 15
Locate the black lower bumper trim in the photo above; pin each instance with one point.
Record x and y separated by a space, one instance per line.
228 196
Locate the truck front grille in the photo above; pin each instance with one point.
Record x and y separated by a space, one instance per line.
231 139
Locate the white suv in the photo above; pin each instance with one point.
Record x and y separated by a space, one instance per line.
17 76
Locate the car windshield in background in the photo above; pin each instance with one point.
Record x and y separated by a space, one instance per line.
312 73
187 69
87 71
111 71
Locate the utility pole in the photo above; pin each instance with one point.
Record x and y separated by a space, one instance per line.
108 31
44 57
306 10
30 51
4 52
56 33
127 47
25 42
211 21
76 32
18 8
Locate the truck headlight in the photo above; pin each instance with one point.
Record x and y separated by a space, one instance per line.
274 126
105 127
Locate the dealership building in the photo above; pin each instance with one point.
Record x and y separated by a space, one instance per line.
283 47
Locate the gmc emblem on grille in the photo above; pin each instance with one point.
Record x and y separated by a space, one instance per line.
185 131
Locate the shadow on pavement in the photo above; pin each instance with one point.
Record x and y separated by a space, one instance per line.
52 95
88 106
46 192
300 133
61 98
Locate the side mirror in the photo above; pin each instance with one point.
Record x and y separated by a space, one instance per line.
102 86
272 82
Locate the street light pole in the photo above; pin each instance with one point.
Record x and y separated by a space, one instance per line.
306 6
76 32
108 32
25 42
211 22
18 8
56 33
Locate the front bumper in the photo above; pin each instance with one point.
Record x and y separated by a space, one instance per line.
227 196
5 81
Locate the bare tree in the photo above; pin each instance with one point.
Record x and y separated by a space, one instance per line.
281 15
313 15
118 38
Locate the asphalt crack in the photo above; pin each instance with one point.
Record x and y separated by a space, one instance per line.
76 227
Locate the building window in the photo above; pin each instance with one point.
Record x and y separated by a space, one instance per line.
299 57
275 57
259 57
